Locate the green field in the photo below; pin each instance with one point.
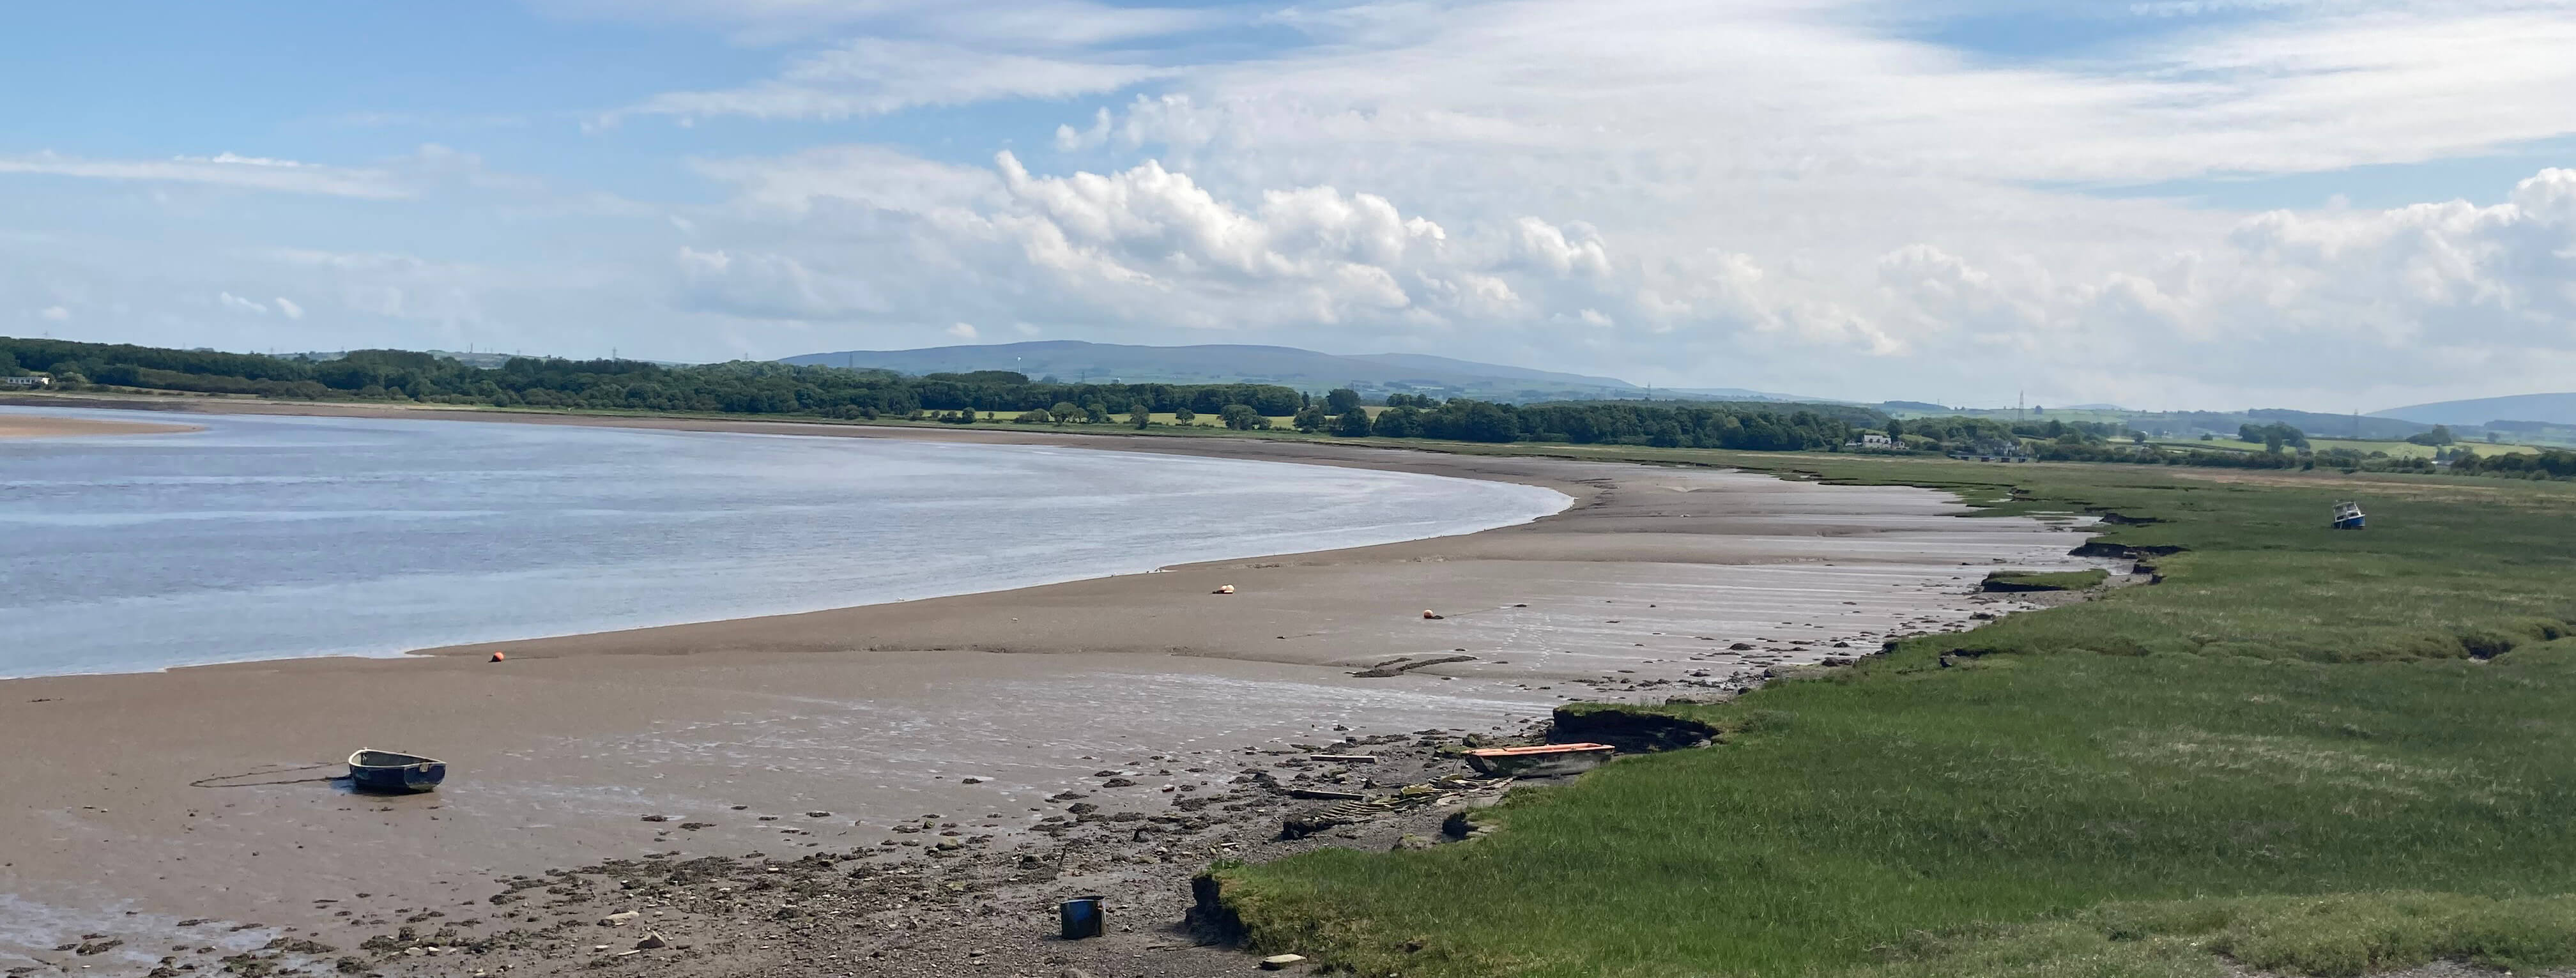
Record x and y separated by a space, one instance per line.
2402 449
2393 449
2312 751
1281 423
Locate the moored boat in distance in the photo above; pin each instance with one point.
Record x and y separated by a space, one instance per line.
384 770
1542 761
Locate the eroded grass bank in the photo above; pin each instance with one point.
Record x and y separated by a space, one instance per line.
2306 750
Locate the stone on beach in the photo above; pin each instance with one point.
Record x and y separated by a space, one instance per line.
1278 961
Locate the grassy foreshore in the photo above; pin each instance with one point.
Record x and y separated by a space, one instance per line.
2305 750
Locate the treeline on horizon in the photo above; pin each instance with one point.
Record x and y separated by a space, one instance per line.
768 388
2281 446
759 387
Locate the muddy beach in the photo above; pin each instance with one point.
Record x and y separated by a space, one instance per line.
1108 736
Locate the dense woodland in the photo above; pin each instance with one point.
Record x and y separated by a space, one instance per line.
749 387
772 388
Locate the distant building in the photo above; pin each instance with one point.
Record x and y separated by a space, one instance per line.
1995 450
1871 440
26 382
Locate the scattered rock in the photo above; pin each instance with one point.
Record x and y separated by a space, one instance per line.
652 941
619 919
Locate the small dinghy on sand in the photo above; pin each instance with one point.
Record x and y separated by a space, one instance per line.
1543 761
384 770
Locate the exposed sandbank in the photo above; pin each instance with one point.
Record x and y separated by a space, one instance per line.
39 426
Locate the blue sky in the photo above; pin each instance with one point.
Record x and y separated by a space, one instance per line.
2164 203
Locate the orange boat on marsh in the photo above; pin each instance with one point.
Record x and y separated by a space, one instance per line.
1542 761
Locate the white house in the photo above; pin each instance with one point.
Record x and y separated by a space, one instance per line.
26 382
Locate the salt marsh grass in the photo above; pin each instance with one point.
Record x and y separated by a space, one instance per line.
2309 751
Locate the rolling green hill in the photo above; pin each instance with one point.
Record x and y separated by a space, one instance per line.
2547 409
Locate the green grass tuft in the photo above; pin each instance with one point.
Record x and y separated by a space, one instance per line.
2339 936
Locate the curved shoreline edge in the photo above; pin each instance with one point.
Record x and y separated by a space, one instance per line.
1565 501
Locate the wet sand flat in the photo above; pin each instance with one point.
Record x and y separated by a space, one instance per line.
879 714
33 426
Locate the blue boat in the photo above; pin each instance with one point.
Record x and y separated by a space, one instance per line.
2347 516
384 770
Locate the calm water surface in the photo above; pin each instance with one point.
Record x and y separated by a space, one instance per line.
277 537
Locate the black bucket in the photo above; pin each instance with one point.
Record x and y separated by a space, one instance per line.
1081 917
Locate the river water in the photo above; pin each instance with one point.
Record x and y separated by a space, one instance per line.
279 537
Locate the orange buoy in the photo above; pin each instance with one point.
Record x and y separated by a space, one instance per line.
496 657
1226 589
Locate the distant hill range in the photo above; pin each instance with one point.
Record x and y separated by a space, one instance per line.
485 359
2546 409
1375 374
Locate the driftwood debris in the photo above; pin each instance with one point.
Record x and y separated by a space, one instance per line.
1404 664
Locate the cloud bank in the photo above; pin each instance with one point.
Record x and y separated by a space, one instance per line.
1836 198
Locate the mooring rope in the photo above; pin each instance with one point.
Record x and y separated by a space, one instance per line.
207 782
